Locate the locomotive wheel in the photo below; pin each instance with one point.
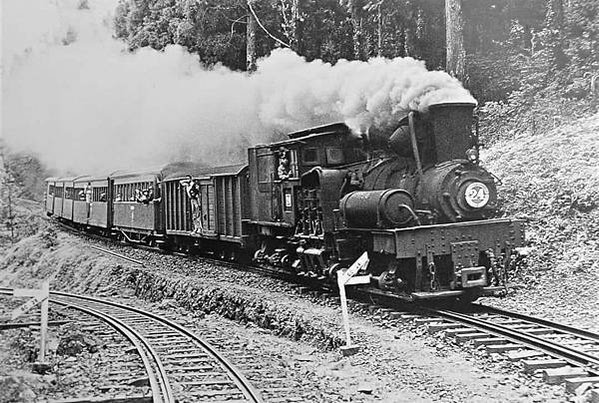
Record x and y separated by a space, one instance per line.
259 255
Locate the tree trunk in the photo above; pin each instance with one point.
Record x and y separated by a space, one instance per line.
297 7
379 44
250 39
454 39
555 23
409 43
358 37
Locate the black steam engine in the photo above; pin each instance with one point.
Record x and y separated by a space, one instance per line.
414 197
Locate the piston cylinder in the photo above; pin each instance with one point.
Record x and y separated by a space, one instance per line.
388 208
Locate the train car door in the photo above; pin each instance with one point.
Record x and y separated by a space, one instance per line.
208 207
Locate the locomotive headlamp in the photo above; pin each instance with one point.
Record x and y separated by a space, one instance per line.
472 154
477 194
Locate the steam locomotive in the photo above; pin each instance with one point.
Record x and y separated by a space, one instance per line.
414 197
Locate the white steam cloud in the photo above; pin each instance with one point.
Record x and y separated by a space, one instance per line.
73 95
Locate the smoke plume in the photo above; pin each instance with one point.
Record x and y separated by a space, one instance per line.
72 94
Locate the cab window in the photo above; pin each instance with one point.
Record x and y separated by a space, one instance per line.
265 168
310 156
335 156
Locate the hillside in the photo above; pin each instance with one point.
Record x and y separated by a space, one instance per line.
552 181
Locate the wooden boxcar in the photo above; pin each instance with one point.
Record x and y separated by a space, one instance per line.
223 205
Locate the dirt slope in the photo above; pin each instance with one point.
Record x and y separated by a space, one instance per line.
552 181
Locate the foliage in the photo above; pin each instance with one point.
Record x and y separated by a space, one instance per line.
528 63
545 77
22 188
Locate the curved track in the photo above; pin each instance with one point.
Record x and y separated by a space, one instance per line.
541 344
180 365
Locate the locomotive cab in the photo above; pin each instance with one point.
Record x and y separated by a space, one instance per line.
276 170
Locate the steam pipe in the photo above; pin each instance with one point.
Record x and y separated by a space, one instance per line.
414 145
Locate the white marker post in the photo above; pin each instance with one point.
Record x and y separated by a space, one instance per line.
38 296
344 278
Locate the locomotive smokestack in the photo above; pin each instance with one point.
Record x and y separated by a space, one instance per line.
452 129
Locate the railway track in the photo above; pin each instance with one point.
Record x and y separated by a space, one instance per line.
560 353
179 365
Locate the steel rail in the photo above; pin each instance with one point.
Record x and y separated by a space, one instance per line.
589 362
240 381
139 262
157 383
141 345
161 374
586 334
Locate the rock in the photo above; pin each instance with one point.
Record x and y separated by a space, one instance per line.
303 357
75 342
41 367
144 381
14 389
168 304
366 388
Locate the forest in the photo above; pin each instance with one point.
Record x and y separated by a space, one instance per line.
531 64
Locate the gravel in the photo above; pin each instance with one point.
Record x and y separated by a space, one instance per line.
397 360
80 362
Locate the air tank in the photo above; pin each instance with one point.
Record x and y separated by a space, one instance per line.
388 208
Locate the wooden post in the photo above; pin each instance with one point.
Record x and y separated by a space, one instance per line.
346 277
38 297
344 311
44 324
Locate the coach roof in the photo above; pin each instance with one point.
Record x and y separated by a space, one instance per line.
204 172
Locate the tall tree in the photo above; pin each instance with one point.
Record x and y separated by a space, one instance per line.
379 30
555 26
297 22
454 39
356 13
250 47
